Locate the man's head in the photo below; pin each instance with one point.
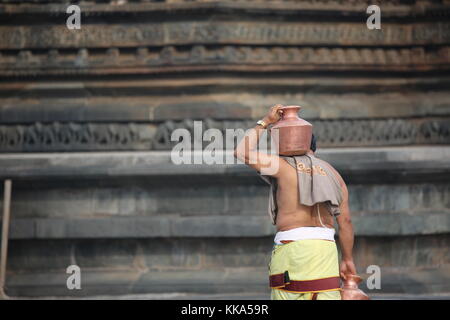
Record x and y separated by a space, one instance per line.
313 146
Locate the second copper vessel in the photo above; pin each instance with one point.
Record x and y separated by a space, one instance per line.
291 134
350 290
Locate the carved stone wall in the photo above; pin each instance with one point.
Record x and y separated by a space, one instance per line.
86 118
134 65
134 136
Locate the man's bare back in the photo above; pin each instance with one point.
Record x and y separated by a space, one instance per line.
292 214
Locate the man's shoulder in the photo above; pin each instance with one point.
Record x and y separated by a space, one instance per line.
327 164
333 169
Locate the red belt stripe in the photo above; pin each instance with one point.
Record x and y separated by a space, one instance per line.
278 281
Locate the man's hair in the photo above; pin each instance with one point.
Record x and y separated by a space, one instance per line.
313 146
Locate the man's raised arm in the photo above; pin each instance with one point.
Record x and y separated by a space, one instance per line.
245 151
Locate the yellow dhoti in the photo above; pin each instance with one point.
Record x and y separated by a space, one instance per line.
305 270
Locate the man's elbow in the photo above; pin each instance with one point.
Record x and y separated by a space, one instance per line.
236 154
239 155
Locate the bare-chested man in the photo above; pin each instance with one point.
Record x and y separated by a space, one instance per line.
304 263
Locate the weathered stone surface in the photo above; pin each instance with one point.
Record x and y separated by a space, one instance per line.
396 224
239 203
321 98
200 110
402 224
230 58
408 265
413 251
146 197
394 163
248 280
408 198
133 221
221 32
111 137
340 7
45 255
197 199
424 251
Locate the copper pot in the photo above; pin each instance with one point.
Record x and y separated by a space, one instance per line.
350 290
291 135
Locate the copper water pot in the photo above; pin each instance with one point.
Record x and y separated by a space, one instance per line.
292 135
350 290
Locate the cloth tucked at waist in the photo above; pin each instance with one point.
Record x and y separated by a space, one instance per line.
305 233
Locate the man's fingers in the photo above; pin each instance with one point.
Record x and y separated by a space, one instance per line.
352 268
277 107
276 110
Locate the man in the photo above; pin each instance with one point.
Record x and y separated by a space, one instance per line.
306 193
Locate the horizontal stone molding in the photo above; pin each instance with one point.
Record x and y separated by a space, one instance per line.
140 227
390 164
223 32
422 93
391 8
222 99
332 133
128 4
57 136
227 283
205 195
73 136
246 58
210 226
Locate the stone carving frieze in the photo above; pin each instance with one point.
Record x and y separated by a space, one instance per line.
221 32
252 58
116 136
72 137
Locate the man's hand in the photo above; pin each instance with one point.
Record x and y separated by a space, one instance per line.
273 115
246 151
347 267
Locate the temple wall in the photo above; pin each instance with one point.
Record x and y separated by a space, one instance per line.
135 222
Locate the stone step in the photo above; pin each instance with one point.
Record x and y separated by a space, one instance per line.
387 164
396 224
207 283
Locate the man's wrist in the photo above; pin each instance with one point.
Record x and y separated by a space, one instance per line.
263 123
347 259
267 121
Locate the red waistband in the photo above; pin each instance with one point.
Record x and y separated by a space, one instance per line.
282 281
